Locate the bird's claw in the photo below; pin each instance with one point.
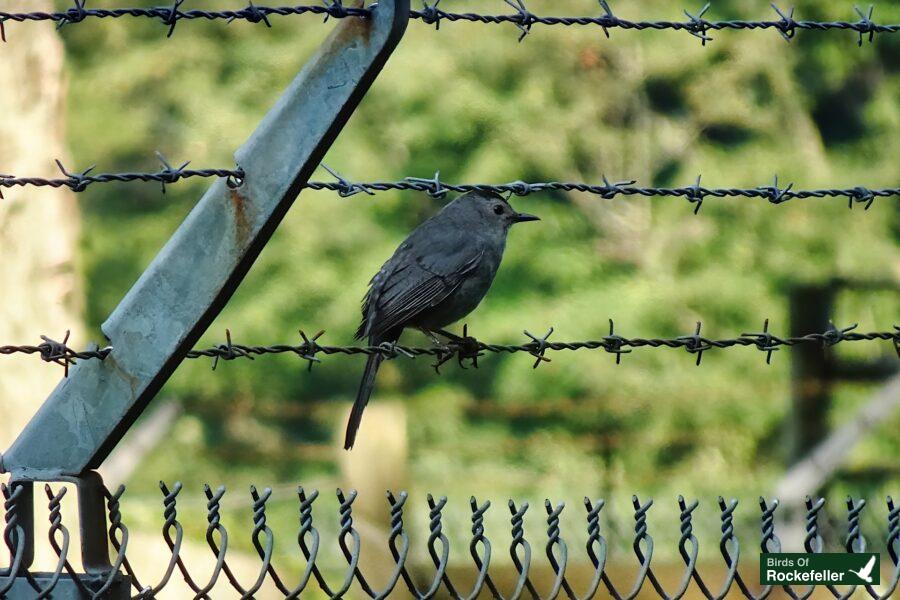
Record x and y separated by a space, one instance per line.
464 347
444 354
467 347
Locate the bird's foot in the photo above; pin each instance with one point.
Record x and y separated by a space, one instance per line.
433 337
463 347
467 347
443 355
443 351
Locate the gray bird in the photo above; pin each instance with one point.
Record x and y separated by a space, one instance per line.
438 275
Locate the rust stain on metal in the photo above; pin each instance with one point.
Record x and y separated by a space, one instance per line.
359 27
349 29
133 381
241 221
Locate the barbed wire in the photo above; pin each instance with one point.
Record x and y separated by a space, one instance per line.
522 18
57 352
598 551
695 194
80 181
468 348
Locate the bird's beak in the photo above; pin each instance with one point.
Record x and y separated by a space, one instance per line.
522 218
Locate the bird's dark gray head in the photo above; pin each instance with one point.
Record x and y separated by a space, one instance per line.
487 210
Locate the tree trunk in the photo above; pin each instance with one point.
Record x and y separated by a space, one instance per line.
39 227
39 230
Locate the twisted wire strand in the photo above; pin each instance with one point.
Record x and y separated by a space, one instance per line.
482 561
61 550
214 527
893 540
266 550
430 14
118 536
263 550
687 537
219 548
56 527
554 541
523 563
641 536
597 557
557 554
768 543
729 547
13 536
436 534
469 348
170 522
346 518
396 521
695 194
813 542
855 540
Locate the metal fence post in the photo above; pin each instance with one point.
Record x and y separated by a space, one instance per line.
811 366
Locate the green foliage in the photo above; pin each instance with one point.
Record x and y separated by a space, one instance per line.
565 104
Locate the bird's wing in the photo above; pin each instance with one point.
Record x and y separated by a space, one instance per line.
413 281
868 568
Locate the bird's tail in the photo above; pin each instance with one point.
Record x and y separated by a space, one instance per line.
362 398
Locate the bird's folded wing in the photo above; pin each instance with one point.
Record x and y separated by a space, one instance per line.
417 283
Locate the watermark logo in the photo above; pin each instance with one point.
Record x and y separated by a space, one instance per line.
787 568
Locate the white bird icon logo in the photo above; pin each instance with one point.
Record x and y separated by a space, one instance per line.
866 572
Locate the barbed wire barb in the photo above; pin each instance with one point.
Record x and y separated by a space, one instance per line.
788 26
78 182
172 173
866 24
696 344
431 15
541 347
434 188
525 17
775 194
311 348
698 26
608 14
836 335
767 342
75 14
171 19
346 188
696 195
253 15
614 343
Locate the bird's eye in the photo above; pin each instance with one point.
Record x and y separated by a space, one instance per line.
498 209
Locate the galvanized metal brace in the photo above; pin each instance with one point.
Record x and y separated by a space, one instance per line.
194 275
